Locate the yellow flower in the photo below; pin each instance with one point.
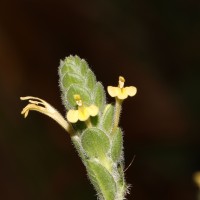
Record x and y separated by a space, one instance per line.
42 106
196 178
83 112
121 92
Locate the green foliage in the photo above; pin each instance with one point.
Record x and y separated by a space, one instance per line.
98 143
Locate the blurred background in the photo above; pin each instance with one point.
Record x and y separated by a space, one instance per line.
155 45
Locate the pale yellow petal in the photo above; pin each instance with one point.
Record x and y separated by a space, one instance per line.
122 94
83 113
93 110
113 91
72 116
131 91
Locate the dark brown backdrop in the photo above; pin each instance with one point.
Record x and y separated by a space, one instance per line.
154 44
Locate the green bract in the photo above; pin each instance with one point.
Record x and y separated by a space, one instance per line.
77 78
95 143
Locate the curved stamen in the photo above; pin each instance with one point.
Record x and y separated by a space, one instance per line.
42 106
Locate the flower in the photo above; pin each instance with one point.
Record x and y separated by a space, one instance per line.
42 106
121 92
196 178
83 112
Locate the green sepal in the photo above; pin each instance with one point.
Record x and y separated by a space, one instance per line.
80 90
99 97
107 118
117 145
95 143
102 180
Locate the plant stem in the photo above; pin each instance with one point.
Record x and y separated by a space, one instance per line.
88 123
118 108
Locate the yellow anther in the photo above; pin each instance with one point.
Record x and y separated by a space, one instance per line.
121 82
78 100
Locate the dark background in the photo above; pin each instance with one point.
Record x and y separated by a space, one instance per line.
155 45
